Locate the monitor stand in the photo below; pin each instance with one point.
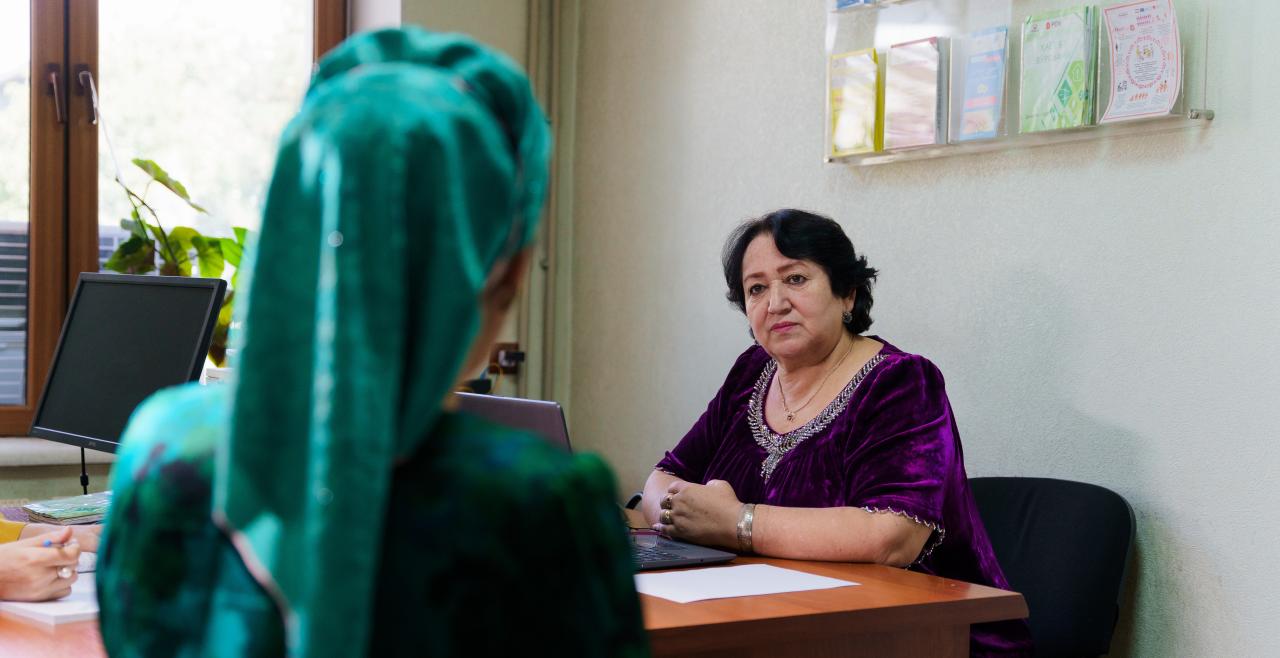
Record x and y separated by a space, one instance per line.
84 473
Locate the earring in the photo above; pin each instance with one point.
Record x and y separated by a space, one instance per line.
847 317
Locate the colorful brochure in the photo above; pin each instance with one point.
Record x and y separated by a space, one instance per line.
980 60
1146 60
915 94
856 111
1058 70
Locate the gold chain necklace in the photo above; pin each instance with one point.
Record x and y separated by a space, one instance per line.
791 415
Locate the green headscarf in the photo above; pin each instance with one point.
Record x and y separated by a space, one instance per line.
417 162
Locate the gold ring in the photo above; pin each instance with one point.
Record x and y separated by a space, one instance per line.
666 517
666 501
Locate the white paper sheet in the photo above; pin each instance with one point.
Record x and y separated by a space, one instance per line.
80 605
725 582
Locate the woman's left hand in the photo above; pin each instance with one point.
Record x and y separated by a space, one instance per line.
702 514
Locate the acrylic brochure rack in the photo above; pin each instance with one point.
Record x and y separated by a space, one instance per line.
865 42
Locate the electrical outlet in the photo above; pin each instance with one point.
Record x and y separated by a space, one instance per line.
505 358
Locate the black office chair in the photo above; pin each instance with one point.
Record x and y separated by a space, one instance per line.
1066 547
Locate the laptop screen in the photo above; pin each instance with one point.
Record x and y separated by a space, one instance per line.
540 417
124 338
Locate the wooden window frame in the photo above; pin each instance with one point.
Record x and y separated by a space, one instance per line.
62 215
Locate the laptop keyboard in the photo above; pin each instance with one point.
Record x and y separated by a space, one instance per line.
645 554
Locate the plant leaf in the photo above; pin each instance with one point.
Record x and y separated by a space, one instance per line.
167 268
180 267
134 224
161 176
134 256
225 313
183 235
209 256
155 231
232 251
218 343
242 235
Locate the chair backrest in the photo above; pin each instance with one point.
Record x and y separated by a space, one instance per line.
1065 546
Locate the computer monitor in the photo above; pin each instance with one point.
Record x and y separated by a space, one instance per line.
125 337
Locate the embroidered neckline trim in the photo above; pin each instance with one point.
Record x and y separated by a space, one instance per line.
778 445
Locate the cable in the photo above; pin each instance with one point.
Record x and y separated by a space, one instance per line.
496 380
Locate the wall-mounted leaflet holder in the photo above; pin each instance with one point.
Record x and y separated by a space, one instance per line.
917 79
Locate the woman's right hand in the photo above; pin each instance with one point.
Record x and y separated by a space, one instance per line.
29 569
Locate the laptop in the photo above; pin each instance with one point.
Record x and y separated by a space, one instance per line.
546 419
541 417
670 554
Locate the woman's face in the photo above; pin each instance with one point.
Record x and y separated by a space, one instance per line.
789 303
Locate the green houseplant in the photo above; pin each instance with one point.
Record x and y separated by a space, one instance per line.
177 248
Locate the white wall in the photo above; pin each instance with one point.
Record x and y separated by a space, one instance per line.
1103 311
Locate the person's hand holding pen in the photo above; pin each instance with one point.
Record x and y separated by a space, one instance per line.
85 535
40 568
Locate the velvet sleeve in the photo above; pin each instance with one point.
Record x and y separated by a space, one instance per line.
909 445
692 455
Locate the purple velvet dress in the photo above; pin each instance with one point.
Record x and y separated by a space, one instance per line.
887 443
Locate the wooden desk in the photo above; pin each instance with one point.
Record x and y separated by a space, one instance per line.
19 637
892 613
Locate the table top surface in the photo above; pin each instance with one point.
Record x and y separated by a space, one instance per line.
19 637
886 598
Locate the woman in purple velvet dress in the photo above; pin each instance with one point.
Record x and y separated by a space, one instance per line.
824 444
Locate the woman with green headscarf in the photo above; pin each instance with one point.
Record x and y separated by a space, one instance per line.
325 504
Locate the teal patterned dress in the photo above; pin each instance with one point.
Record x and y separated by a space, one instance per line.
496 543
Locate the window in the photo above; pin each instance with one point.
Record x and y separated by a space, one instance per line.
201 88
15 193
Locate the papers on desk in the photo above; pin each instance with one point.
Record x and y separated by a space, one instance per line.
80 605
90 508
727 582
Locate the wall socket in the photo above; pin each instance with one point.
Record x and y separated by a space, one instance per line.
506 355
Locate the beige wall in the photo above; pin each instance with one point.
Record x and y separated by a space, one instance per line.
51 481
374 14
503 24
1103 311
499 23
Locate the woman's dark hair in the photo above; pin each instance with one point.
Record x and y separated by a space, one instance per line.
805 236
